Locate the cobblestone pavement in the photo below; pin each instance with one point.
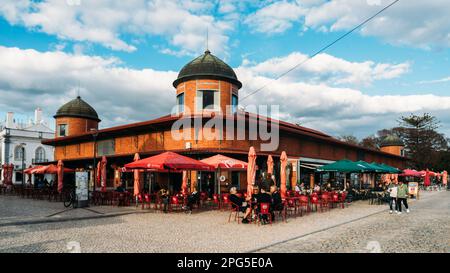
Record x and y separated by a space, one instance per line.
425 229
339 230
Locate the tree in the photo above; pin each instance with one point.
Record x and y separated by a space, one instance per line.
422 141
371 142
349 139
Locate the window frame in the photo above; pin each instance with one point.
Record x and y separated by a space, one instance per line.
66 129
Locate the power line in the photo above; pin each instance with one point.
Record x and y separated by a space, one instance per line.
321 50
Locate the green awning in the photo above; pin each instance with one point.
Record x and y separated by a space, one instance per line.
390 169
374 168
344 166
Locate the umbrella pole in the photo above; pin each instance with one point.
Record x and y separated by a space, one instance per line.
345 181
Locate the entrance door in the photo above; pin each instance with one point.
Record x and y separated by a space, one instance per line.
235 180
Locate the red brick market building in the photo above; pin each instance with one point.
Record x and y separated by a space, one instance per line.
205 88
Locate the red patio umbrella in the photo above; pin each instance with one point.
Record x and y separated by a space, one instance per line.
103 170
251 170
224 162
60 175
409 172
49 169
169 160
283 178
137 184
184 188
270 164
99 173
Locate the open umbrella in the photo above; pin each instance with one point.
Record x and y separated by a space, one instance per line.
343 166
184 187
169 160
251 170
283 178
137 184
60 175
103 178
49 169
224 162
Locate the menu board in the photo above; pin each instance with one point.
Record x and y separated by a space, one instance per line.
81 182
413 188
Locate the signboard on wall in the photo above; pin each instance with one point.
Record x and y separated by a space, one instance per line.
81 191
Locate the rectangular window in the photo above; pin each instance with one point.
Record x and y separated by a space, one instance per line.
234 103
208 99
106 147
180 102
62 130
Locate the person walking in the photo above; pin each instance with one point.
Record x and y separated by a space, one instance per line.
392 190
402 195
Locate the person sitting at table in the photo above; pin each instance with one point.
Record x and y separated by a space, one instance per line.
240 203
164 195
277 202
263 197
316 188
192 199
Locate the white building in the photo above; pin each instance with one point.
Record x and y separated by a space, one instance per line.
18 139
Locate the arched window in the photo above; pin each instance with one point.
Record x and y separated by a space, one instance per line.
39 155
19 153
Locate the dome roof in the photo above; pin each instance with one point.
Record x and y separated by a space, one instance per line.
77 108
391 140
207 66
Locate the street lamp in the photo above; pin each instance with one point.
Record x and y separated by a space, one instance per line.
94 135
23 162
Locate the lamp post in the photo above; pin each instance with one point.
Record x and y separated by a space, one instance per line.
94 135
23 162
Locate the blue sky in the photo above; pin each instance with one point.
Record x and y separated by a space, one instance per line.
122 55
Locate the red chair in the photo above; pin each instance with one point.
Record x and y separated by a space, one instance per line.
140 200
216 201
334 199
234 209
304 204
314 201
324 201
264 210
291 206
342 199
226 203
175 202
147 201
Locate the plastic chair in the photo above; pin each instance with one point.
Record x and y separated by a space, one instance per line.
234 209
216 201
226 203
324 201
264 210
304 204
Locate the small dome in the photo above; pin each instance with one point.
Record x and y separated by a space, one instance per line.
77 108
391 140
207 66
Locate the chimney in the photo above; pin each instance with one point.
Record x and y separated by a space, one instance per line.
9 120
37 116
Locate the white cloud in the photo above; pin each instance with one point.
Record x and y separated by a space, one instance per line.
121 95
275 17
182 23
414 23
447 79
49 79
327 68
